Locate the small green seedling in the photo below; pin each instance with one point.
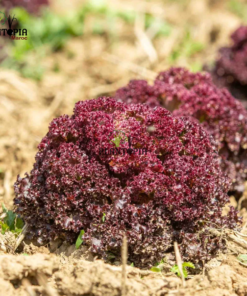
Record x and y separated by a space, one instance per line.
79 240
103 217
242 258
175 269
132 264
158 267
10 222
110 256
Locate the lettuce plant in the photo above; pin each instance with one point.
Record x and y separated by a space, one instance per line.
195 95
175 191
231 66
137 91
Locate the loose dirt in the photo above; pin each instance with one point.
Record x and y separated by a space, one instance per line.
49 274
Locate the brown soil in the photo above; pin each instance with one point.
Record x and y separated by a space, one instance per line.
49 274
98 66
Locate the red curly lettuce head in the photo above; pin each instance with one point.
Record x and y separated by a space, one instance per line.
137 91
182 76
194 94
114 169
231 66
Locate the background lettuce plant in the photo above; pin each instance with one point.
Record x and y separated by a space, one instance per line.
195 95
